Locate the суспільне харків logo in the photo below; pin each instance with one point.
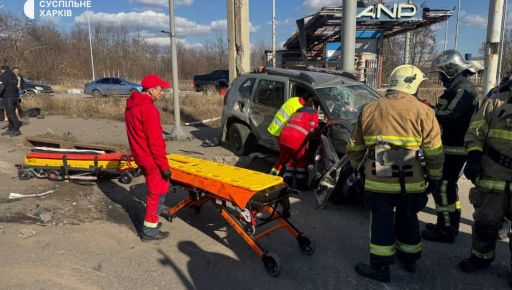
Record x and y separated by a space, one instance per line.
53 8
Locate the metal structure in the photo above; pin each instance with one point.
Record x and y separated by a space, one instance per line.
273 33
407 49
492 44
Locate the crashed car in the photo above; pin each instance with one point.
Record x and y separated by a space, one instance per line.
254 98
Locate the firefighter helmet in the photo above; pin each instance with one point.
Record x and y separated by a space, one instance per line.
406 78
451 63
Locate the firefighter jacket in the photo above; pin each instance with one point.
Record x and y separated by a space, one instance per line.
454 111
283 115
301 126
403 125
491 133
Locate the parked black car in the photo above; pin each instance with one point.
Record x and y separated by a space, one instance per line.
32 89
212 81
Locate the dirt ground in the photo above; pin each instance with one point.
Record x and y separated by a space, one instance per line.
84 236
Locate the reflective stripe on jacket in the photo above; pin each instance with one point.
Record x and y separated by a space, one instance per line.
401 121
283 115
491 127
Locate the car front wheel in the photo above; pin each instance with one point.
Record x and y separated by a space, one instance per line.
239 138
97 94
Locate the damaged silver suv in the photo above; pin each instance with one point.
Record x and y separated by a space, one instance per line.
254 98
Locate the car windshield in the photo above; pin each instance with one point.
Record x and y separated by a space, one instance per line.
345 101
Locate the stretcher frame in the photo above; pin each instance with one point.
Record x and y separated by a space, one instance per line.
248 229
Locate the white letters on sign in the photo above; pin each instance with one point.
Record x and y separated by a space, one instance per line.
398 11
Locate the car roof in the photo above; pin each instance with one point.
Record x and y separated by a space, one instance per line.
315 77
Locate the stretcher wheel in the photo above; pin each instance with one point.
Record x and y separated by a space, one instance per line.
306 245
54 175
250 229
126 178
24 174
271 263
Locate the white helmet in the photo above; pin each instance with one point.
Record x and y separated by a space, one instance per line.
406 78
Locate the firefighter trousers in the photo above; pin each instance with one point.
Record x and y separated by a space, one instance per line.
447 202
490 209
394 228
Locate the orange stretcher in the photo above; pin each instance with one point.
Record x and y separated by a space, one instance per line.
75 164
257 200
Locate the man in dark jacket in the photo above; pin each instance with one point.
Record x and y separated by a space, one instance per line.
148 149
9 97
453 112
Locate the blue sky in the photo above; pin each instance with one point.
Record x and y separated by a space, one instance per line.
199 20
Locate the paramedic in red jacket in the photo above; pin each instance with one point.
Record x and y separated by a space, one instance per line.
294 143
148 147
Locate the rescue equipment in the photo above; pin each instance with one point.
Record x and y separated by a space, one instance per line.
75 164
257 200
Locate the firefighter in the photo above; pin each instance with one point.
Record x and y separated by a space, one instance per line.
276 126
453 112
294 143
390 132
489 166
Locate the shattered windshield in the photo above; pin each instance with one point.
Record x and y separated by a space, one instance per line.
345 101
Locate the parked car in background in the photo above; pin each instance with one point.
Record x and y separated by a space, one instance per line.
212 81
32 89
111 86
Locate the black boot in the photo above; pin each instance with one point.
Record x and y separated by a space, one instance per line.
15 133
473 264
409 266
6 132
431 226
438 234
159 236
379 273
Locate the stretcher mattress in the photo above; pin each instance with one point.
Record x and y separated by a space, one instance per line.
231 183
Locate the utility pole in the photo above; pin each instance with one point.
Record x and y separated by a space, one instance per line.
457 26
273 33
90 46
502 40
239 50
349 35
492 44
176 132
407 50
446 35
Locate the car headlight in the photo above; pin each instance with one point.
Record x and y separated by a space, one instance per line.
39 88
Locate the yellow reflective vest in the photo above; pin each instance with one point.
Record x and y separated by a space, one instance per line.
283 115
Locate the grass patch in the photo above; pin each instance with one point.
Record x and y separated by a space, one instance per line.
194 106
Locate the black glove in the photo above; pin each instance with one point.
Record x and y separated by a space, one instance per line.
434 186
472 168
167 174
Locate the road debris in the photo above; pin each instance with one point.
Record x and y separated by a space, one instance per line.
27 233
14 195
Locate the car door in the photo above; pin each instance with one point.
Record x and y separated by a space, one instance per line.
269 96
118 88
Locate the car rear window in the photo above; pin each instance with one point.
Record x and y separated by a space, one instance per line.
345 101
270 93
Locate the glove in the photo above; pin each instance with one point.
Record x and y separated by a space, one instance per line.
434 186
472 168
167 174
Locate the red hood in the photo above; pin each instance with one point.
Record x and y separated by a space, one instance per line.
137 99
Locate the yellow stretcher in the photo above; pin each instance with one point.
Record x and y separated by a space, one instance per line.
73 164
257 199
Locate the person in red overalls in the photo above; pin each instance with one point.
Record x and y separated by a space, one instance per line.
294 143
142 120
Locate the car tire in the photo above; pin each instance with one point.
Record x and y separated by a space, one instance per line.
239 138
29 95
97 94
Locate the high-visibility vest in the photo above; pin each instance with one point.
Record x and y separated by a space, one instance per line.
283 115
